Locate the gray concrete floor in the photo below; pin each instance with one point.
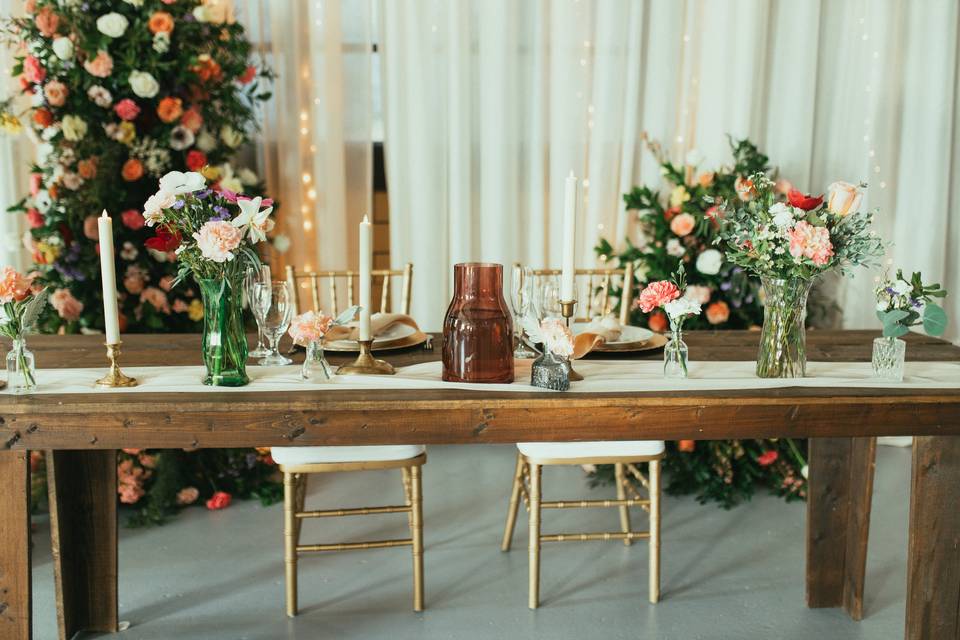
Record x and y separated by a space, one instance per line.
726 574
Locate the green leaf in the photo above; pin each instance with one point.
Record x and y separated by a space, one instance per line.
895 330
934 320
31 311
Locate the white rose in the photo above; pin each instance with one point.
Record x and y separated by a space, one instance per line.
230 136
709 262
112 24
206 142
144 84
675 248
74 128
63 48
843 198
247 177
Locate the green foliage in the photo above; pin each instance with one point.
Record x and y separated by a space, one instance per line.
903 303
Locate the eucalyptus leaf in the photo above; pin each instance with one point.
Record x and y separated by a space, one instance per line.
347 315
894 315
894 330
934 320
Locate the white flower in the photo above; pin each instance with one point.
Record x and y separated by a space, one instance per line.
901 288
805 471
698 293
206 142
281 243
181 138
112 24
215 11
229 181
100 96
177 182
161 42
557 337
681 308
63 48
230 136
144 84
675 248
252 220
782 215
155 204
247 177
709 262
42 201
129 252
135 3
74 128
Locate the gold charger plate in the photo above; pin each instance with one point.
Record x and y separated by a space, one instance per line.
412 340
656 342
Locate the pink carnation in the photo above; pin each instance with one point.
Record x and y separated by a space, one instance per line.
13 286
127 109
100 66
34 70
657 294
67 307
309 327
217 239
808 241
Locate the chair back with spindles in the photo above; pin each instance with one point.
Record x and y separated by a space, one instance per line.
597 283
330 293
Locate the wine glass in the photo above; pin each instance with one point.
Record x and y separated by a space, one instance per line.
548 303
521 292
254 276
274 301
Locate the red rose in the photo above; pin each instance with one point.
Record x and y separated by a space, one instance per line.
196 160
803 201
686 446
34 218
219 500
248 75
767 458
164 240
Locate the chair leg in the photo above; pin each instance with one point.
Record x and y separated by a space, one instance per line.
416 534
289 540
622 495
407 500
300 499
654 531
514 505
534 550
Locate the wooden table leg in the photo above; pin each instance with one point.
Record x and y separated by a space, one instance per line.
83 529
15 614
933 556
838 521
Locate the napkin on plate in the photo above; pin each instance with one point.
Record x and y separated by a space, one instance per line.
379 323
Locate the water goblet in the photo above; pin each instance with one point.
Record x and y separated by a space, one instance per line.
252 277
274 300
521 292
548 303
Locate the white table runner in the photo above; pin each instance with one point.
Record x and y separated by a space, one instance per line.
600 376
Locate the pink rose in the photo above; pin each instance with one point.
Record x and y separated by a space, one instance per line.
67 307
127 109
135 280
217 239
657 294
187 495
156 298
56 93
13 286
132 219
33 70
35 219
683 224
90 229
101 66
47 22
808 241
309 327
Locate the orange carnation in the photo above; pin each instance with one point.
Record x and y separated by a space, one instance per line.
160 22
132 170
170 109
87 168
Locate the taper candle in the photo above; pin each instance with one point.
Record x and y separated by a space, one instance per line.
570 202
108 274
366 259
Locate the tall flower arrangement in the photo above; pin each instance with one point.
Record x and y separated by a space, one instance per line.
119 92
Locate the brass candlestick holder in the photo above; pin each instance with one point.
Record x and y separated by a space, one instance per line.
115 377
366 364
566 309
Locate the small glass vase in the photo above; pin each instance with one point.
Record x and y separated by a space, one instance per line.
224 338
21 369
550 371
783 341
675 354
888 357
315 365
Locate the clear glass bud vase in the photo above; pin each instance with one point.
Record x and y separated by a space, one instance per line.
675 354
783 341
315 365
21 370
888 357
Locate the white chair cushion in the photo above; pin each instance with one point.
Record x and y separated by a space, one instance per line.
319 455
583 450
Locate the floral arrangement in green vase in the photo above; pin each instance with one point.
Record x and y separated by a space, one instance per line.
902 304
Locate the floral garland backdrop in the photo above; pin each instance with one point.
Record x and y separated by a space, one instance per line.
117 93
679 228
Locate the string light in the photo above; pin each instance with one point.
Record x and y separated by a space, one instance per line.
312 194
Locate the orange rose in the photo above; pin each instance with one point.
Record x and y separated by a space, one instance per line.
132 170
87 168
192 119
686 446
718 312
43 117
657 321
705 179
170 109
207 68
160 22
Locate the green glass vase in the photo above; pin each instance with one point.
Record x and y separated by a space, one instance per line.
224 339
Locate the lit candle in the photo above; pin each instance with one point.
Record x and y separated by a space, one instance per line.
111 318
366 258
570 201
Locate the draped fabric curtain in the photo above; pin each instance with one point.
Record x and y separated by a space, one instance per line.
489 105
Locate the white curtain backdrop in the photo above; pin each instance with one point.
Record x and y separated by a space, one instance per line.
488 105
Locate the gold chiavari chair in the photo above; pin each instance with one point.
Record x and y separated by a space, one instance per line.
595 286
297 463
311 281
624 455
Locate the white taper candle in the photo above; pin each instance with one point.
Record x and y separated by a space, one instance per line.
366 260
570 203
108 274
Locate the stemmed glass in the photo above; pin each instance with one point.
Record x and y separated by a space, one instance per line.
548 303
274 302
521 292
252 277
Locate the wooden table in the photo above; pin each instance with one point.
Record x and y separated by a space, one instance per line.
83 432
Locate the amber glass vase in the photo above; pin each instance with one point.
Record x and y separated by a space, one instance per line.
478 329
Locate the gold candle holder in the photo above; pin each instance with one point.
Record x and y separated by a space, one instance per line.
366 364
567 309
115 377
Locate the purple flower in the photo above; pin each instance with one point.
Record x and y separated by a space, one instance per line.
202 195
726 286
915 303
890 291
178 204
222 213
